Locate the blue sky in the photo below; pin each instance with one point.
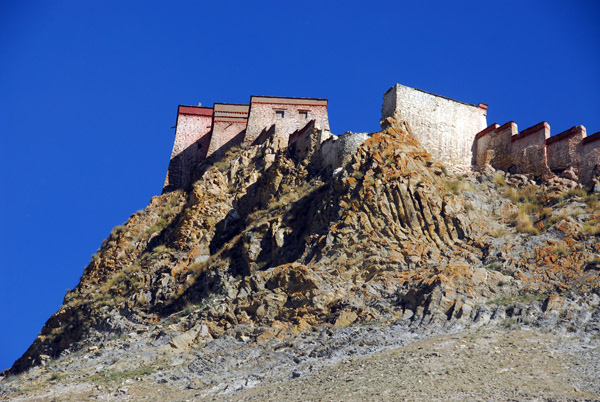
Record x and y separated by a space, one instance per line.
89 91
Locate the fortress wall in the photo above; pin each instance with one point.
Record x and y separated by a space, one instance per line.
501 144
534 151
229 126
336 151
590 158
266 111
193 124
528 150
483 153
304 142
564 149
192 138
300 140
445 127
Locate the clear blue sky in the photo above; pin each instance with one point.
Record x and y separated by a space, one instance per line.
89 91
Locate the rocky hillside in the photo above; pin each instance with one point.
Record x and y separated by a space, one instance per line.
268 247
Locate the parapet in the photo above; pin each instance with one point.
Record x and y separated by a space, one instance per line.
534 151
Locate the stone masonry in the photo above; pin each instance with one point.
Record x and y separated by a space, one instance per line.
228 127
192 138
204 133
285 115
454 132
533 151
445 127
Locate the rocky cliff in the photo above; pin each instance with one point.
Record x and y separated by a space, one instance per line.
268 245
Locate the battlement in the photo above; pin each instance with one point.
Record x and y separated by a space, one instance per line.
534 151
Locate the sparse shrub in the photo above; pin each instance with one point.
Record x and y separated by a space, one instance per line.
444 170
530 207
562 250
500 180
457 185
545 213
222 165
499 232
593 202
511 194
576 192
358 175
494 266
523 224
591 228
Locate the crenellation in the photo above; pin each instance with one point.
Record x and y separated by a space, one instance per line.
564 149
534 151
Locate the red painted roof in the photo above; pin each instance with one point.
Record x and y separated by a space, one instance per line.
195 110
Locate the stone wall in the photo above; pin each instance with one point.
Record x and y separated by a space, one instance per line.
445 127
533 151
501 143
528 149
337 150
483 154
305 144
590 158
228 128
192 138
564 149
286 114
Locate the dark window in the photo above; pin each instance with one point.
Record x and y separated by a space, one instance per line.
280 114
303 113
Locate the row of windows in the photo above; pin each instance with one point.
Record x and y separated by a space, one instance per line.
281 113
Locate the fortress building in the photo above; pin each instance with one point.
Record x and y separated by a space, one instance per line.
445 127
208 132
454 132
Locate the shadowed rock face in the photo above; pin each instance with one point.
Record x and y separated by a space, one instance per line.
268 244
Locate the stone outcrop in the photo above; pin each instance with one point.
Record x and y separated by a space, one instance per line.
274 240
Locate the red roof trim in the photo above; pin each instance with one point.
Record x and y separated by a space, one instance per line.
229 121
565 135
531 130
591 138
506 125
195 110
291 104
286 97
483 132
